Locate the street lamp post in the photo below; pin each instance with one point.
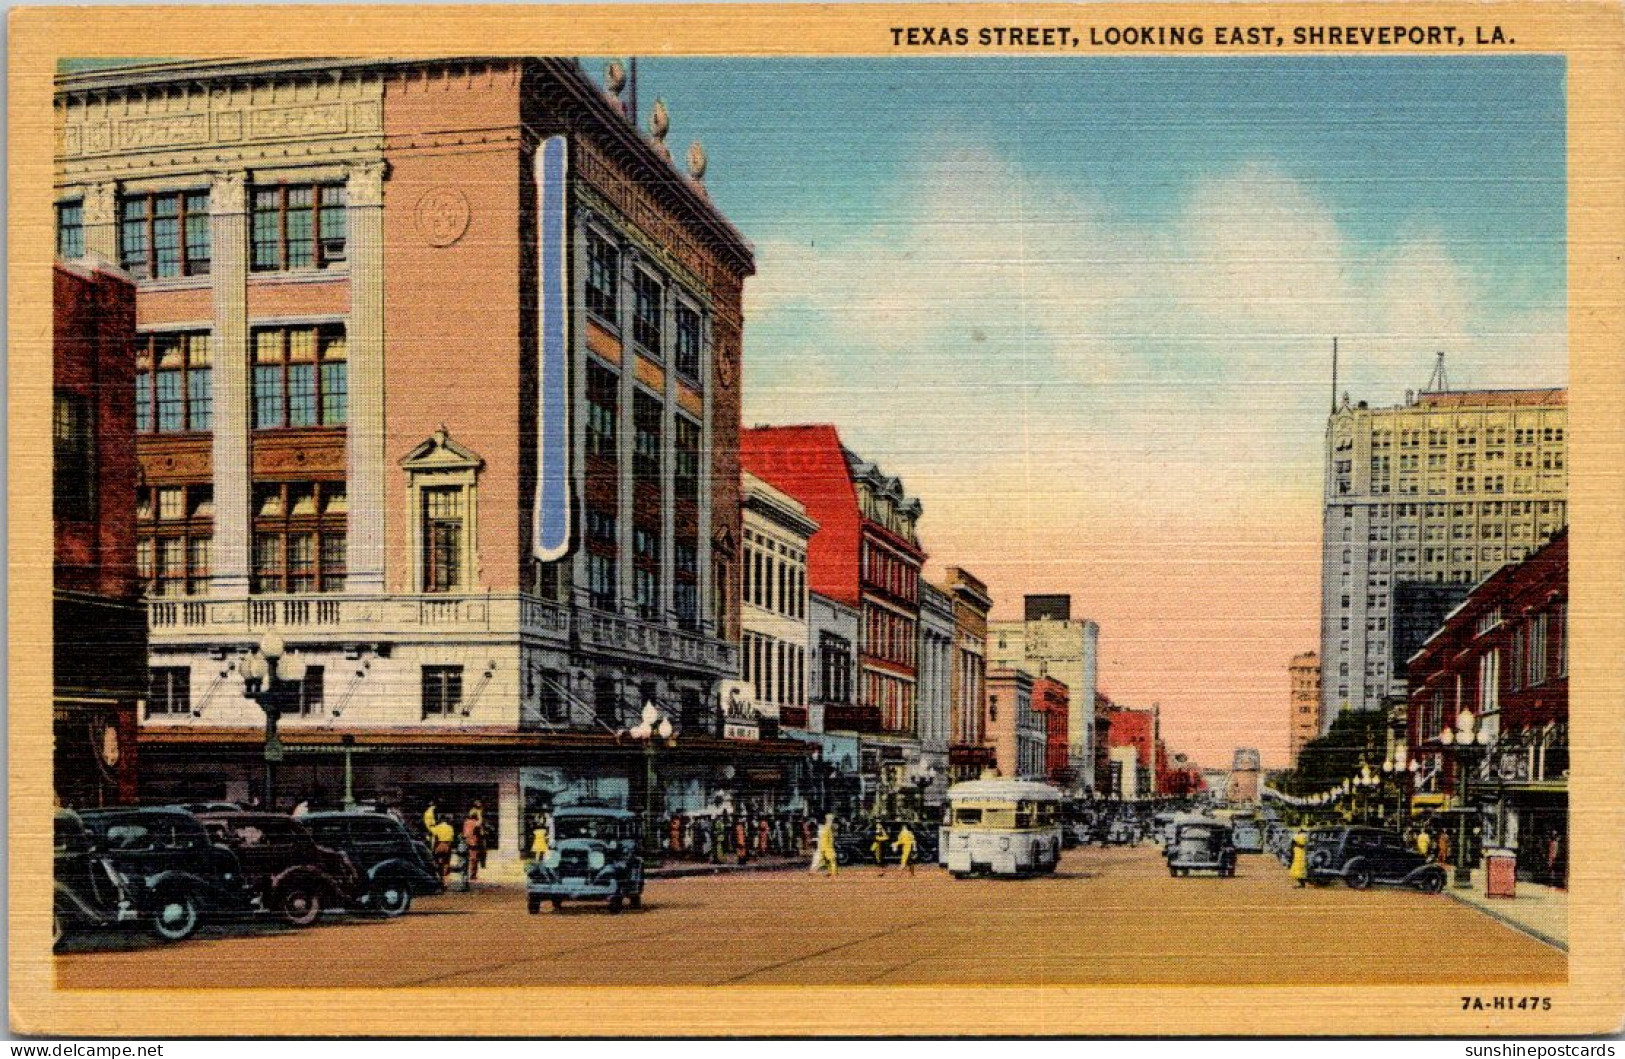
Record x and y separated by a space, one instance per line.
1464 742
655 726
272 678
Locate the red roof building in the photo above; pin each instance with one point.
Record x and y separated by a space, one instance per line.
866 554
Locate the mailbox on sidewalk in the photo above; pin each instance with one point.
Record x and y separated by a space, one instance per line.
1501 876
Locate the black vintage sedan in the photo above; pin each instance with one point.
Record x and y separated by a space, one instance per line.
174 877
395 866
1361 856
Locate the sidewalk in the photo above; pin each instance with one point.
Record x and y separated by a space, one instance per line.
1542 912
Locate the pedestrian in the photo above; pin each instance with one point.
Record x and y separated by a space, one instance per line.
538 838
1299 871
474 841
441 837
904 844
824 853
878 846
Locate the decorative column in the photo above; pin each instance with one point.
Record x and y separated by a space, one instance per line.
100 218
364 557
233 473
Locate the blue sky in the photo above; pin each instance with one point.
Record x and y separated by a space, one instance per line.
1085 307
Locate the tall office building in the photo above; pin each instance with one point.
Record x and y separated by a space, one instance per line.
1445 488
486 575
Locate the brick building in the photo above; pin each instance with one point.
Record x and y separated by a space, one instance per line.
1501 661
98 619
485 580
865 555
1050 698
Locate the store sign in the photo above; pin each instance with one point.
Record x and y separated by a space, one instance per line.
739 716
551 517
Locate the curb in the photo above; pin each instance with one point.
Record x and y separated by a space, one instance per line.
1506 920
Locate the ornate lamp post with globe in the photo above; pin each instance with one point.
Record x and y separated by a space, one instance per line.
272 678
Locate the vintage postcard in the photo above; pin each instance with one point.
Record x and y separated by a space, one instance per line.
936 520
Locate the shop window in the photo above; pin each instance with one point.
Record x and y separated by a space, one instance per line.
162 236
299 226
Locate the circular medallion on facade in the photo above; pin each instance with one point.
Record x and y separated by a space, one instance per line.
442 216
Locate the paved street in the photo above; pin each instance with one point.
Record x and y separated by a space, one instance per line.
1108 916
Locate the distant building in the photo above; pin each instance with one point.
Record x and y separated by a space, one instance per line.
773 601
1060 647
1303 710
1014 728
98 618
1444 489
1050 698
1502 659
968 752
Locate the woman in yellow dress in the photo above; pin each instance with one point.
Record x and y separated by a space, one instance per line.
1300 858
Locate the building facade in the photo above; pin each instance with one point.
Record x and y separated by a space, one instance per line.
1501 662
936 689
1014 729
1051 698
485 582
1047 644
1303 704
968 751
866 555
1445 488
774 602
99 622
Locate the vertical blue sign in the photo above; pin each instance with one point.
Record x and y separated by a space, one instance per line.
552 517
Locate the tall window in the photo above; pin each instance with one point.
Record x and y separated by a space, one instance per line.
646 441
174 527
70 229
73 467
301 377
174 382
442 539
299 536
688 340
162 236
603 279
603 409
646 308
169 690
298 226
442 690
686 459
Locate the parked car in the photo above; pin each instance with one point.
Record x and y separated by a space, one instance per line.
396 867
288 872
90 892
1202 845
1361 856
594 856
174 876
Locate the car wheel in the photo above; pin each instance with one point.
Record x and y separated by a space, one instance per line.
615 904
392 899
1358 879
299 904
534 904
176 916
